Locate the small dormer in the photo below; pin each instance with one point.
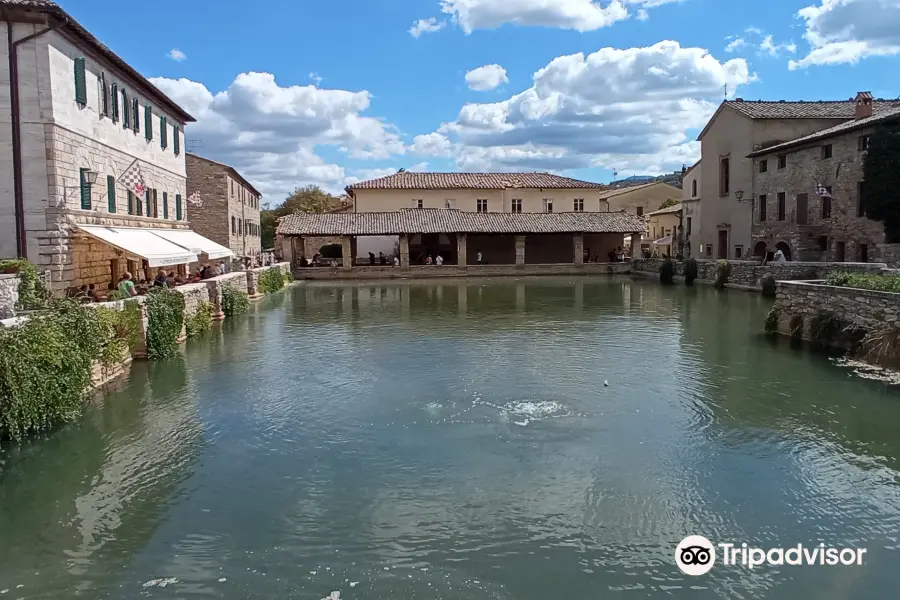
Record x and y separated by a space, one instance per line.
863 105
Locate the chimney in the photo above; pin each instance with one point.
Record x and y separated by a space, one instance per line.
863 105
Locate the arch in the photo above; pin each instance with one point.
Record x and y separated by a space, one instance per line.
760 249
785 249
693 188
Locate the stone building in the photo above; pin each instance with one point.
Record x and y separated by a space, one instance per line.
224 205
639 200
807 193
737 129
666 230
80 133
691 205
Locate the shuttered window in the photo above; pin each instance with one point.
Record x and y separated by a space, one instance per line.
177 207
176 139
139 211
136 115
148 122
111 193
165 205
80 82
163 133
104 95
149 210
155 205
131 200
85 191
114 96
126 111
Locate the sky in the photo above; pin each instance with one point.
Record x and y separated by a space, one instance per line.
330 92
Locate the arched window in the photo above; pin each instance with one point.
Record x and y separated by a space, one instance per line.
693 188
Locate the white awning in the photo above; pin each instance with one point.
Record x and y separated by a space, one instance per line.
158 251
194 242
666 241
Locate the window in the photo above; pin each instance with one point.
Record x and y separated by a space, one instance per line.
762 207
763 166
80 82
823 243
233 227
863 143
163 133
826 205
176 139
177 207
693 188
724 176
802 209
782 161
131 208
418 203
114 96
240 226
548 205
578 205
155 206
481 205
449 203
148 203
689 225
840 251
738 251
654 232
111 193
104 96
860 206
85 191
232 187
826 151
781 206
639 211
516 205
165 205
148 122
709 250
863 253
138 206
126 111
135 115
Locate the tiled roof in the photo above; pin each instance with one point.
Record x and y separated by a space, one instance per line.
667 210
439 220
882 113
73 28
627 190
408 180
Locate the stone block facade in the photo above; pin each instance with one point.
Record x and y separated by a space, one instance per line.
832 229
9 295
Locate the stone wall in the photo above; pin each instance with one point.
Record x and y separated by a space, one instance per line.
9 295
748 273
214 288
426 272
194 294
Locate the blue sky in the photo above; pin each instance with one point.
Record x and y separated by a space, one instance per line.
329 92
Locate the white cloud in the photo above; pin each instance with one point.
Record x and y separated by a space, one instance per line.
176 55
846 31
580 15
428 25
314 77
767 46
754 37
735 44
642 14
269 132
624 108
486 78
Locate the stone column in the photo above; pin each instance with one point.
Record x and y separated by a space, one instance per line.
461 250
635 245
404 251
578 247
346 252
287 249
520 250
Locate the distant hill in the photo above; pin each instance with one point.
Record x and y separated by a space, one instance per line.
670 178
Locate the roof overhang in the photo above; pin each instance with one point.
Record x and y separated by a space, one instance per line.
194 242
145 243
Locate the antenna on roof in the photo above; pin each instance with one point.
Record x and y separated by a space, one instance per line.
726 91
191 145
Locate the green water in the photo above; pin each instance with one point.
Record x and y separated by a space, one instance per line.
456 441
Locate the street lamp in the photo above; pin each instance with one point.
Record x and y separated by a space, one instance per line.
90 177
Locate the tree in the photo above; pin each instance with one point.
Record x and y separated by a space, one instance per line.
881 173
668 203
310 199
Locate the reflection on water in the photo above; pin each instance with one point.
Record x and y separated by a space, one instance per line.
456 440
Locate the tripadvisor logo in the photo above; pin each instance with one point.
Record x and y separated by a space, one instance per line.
696 555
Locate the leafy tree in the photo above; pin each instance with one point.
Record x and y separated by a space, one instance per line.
310 198
668 203
881 172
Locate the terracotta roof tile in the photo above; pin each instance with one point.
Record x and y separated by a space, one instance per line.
782 109
666 211
487 181
438 220
610 193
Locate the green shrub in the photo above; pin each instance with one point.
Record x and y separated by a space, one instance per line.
796 325
772 321
879 282
288 276
165 316
667 272
32 293
723 272
768 285
201 321
120 332
825 327
270 281
691 271
234 301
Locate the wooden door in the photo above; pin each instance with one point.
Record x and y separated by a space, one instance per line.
723 244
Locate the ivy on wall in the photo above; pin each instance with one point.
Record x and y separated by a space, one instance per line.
881 171
270 280
32 293
234 301
165 316
200 321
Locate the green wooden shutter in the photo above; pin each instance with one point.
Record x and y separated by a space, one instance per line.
149 208
165 205
148 122
104 95
137 206
135 109
80 82
177 206
130 203
176 139
126 111
111 193
114 96
163 133
85 191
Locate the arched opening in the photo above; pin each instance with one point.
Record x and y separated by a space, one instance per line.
759 250
693 188
785 249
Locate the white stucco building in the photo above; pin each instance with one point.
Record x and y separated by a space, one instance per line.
77 124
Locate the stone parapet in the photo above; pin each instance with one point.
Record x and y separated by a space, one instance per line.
431 271
214 289
9 295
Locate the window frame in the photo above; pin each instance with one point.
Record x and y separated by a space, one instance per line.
827 151
481 205
782 161
763 166
548 206
781 210
763 208
578 205
724 176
